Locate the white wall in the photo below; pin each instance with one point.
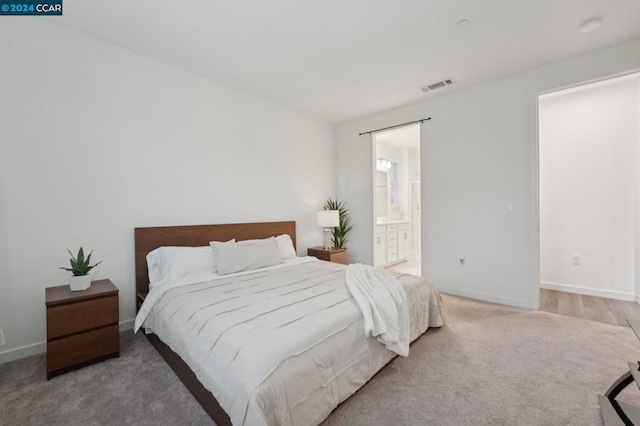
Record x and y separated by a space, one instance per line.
95 141
413 156
589 139
637 216
478 155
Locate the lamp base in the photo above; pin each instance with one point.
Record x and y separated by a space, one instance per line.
327 239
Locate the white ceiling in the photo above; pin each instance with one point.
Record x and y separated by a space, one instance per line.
339 60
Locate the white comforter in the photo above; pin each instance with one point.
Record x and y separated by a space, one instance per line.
282 345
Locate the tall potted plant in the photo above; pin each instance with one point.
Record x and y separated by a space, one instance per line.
339 234
80 267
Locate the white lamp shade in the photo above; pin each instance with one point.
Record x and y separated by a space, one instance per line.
328 218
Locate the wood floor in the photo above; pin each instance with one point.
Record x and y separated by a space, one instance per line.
610 311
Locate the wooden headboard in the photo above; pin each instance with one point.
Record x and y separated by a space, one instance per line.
147 239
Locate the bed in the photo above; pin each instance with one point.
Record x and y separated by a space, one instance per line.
307 351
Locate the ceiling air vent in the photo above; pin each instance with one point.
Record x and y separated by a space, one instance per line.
437 85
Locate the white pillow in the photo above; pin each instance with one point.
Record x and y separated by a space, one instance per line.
171 262
245 255
285 246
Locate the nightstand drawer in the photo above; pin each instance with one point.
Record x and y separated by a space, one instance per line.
340 257
82 348
79 316
334 254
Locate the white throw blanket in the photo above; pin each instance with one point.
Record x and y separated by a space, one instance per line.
383 302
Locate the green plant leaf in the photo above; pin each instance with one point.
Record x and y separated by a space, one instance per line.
80 265
340 232
80 256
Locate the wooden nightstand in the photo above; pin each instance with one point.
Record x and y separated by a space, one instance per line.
334 254
82 326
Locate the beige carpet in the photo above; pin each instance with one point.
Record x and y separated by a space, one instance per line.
490 365
493 365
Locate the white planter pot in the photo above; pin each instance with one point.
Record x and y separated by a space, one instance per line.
79 283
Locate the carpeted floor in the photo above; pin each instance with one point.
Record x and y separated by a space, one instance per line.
490 365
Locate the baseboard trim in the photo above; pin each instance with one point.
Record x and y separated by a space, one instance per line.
41 347
609 294
126 325
517 303
23 352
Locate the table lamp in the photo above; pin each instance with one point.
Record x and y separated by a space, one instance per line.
328 219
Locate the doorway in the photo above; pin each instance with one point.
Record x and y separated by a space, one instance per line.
589 188
396 194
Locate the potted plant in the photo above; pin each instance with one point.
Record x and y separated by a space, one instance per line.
339 237
80 268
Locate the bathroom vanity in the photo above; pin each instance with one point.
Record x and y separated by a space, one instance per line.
391 242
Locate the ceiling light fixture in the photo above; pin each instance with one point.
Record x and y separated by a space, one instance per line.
590 26
464 23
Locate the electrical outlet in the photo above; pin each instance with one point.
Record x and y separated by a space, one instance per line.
575 259
510 208
461 260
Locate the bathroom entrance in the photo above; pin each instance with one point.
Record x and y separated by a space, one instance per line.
396 197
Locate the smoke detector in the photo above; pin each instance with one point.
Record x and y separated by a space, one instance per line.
437 85
590 26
